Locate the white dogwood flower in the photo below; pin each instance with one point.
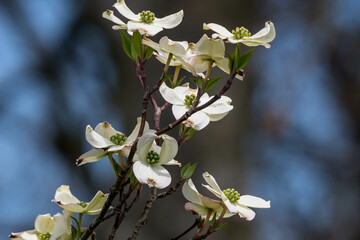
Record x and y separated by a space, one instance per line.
182 98
104 138
234 202
147 167
48 228
242 35
201 204
144 22
65 199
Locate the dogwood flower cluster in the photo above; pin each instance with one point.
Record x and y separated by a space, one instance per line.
148 149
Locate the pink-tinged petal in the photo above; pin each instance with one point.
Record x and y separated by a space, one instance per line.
191 193
173 162
108 14
212 182
91 156
218 29
145 143
96 204
170 21
144 28
125 11
198 209
152 175
169 149
252 201
172 96
95 139
198 121
44 223
132 137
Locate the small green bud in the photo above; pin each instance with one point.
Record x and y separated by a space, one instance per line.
232 195
241 32
189 100
147 16
118 139
82 204
152 157
44 236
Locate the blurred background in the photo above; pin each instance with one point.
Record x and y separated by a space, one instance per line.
292 138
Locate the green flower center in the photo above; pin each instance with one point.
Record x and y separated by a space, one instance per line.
82 204
118 139
152 157
44 236
147 16
241 32
189 100
232 195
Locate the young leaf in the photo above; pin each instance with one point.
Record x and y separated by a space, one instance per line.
179 81
136 45
126 42
148 52
210 83
220 226
243 59
184 169
189 133
188 170
133 180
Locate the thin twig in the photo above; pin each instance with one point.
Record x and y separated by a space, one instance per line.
171 190
143 219
196 223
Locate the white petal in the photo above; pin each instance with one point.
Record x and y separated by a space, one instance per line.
173 96
191 193
213 191
96 204
136 130
144 28
246 212
106 130
199 209
210 47
169 149
116 148
217 28
95 139
151 44
222 105
179 110
263 37
223 64
64 195
91 156
44 223
108 14
28 236
173 47
61 226
198 120
212 182
170 21
125 11
173 162
145 143
233 208
153 176
252 201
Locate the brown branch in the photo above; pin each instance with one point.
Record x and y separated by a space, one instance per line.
171 190
143 219
196 223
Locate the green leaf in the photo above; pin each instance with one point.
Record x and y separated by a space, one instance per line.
73 232
179 81
220 226
210 83
231 61
243 60
188 170
136 46
148 52
181 129
133 180
126 42
189 133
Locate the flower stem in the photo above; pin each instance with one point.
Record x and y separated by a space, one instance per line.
208 71
176 74
167 63
79 225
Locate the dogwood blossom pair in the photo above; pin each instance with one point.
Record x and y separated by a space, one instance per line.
47 227
144 22
231 199
182 98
